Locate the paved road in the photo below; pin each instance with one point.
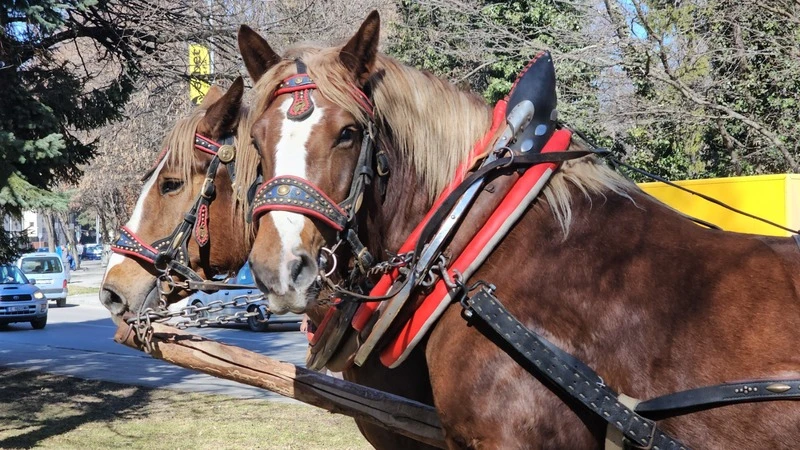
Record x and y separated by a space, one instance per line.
78 341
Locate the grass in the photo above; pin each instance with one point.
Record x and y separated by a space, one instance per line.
56 412
77 289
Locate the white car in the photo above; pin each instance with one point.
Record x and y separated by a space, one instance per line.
49 272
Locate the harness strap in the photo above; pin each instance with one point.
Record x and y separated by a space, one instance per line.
171 254
614 438
797 239
709 397
563 372
295 194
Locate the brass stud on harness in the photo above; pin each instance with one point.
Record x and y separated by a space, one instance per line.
283 189
778 388
226 153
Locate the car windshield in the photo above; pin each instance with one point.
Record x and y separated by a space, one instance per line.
11 275
41 264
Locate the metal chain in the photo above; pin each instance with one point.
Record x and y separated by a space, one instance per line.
397 261
198 316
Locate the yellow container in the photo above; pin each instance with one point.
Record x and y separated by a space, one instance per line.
773 197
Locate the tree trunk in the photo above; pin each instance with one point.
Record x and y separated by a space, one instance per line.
51 230
69 232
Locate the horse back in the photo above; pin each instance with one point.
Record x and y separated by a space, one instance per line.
653 302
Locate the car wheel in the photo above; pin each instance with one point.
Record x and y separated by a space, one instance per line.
39 323
255 325
200 314
61 302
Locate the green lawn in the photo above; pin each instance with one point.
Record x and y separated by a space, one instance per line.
77 289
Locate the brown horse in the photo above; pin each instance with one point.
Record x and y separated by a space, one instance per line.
170 188
651 301
169 191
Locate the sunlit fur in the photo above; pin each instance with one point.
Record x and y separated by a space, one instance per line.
184 156
590 175
421 110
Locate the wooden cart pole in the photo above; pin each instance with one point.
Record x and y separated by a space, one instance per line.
401 415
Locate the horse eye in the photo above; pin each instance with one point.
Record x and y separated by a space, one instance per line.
346 136
170 185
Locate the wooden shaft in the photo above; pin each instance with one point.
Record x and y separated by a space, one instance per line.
403 416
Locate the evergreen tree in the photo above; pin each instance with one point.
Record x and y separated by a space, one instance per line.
66 67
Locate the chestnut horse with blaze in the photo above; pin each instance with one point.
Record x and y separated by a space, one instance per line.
171 187
652 302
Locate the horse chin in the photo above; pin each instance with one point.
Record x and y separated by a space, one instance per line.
151 300
292 301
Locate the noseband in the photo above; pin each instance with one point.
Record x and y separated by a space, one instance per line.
298 195
170 254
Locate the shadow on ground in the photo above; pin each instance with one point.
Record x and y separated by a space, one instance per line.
35 406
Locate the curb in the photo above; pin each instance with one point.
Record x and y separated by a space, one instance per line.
85 299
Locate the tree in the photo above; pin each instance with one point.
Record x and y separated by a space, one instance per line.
486 44
66 68
715 85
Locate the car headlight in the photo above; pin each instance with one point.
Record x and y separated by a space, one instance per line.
38 295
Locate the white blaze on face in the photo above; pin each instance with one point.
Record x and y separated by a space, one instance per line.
138 211
290 159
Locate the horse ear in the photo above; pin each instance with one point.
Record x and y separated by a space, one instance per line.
258 56
358 55
223 116
214 93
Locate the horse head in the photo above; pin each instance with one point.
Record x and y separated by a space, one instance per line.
310 122
195 177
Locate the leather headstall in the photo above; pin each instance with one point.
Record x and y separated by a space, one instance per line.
170 254
297 195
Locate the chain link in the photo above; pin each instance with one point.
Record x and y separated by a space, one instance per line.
201 316
198 316
397 261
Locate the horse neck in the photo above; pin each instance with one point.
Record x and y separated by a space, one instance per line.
427 127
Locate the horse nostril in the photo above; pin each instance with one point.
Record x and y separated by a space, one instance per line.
113 302
303 270
109 297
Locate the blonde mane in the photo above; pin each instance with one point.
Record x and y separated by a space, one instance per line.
183 157
590 176
433 124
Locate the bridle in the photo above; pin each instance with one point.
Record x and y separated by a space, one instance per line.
170 255
298 195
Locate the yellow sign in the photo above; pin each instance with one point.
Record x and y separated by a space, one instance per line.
773 197
199 69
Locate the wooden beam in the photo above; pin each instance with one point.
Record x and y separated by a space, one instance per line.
401 415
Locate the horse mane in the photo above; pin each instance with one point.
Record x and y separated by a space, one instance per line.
432 124
181 154
590 176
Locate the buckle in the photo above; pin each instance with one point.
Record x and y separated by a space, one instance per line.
208 188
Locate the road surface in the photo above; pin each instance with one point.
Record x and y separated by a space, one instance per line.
78 341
